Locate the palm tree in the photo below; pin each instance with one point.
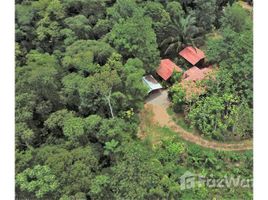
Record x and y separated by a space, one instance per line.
183 32
186 3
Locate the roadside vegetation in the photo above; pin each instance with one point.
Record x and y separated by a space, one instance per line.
188 156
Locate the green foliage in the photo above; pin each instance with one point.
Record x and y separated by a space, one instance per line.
160 19
116 129
234 54
102 27
99 183
48 31
37 86
182 32
70 90
49 8
68 36
93 10
177 94
217 117
123 9
175 9
74 168
97 89
206 13
24 135
130 43
207 115
134 87
19 55
39 74
24 16
176 77
25 103
38 180
79 25
49 13
56 119
137 171
79 92
156 11
92 124
172 150
110 147
236 18
73 127
82 53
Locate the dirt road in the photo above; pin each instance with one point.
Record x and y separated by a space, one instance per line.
159 103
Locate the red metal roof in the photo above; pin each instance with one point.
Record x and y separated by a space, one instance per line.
166 68
192 55
193 74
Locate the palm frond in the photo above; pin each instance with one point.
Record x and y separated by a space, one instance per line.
168 40
170 47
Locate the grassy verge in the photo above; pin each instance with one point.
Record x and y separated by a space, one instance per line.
178 118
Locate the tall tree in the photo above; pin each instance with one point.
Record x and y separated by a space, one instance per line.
236 18
24 18
40 180
96 91
80 25
50 13
205 13
93 10
160 19
81 55
174 9
123 9
130 43
183 32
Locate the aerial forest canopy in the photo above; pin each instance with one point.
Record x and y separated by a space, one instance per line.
79 92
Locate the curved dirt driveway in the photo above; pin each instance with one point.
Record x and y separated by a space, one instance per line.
159 102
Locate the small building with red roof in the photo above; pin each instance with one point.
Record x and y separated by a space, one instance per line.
196 74
193 74
192 55
190 80
167 68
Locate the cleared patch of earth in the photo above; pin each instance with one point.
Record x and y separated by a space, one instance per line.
246 6
158 102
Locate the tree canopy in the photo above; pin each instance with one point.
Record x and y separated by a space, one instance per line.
80 98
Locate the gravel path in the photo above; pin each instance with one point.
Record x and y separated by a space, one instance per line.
159 102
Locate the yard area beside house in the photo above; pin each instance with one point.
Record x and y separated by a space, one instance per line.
184 88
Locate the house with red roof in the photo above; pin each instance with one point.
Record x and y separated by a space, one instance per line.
193 74
167 68
196 74
190 80
192 55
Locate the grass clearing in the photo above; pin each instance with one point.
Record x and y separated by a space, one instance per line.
179 119
150 132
